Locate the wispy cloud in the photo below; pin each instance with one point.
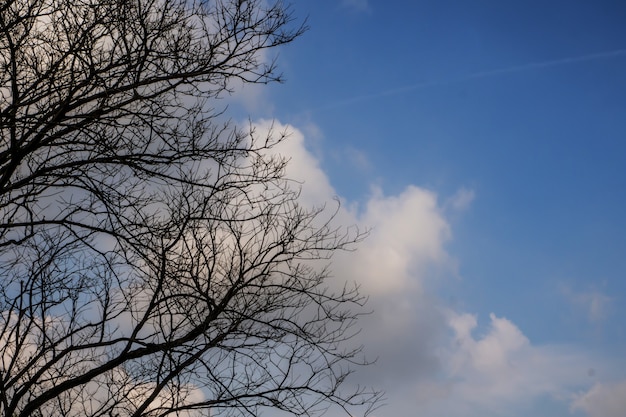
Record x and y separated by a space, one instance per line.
476 75
461 200
593 303
357 5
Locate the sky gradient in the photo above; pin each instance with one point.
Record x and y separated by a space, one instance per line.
484 143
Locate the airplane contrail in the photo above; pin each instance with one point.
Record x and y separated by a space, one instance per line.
476 75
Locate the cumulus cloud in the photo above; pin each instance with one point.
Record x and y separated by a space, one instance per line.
433 361
303 167
408 236
251 97
408 230
501 371
602 400
495 372
406 244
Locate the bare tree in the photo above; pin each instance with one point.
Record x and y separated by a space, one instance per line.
154 260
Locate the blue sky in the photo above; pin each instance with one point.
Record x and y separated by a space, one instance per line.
485 142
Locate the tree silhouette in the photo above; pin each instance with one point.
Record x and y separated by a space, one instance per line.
154 258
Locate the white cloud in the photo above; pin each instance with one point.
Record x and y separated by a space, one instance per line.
432 361
490 357
408 230
408 236
501 368
406 240
496 373
303 167
602 400
251 97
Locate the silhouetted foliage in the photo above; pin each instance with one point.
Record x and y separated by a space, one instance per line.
154 259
